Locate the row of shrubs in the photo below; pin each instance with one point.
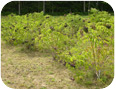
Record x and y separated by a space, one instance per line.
85 45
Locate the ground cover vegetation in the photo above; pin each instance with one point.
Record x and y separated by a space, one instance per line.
85 45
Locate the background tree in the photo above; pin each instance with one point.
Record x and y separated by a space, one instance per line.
54 7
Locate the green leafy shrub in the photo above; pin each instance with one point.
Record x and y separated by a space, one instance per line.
84 45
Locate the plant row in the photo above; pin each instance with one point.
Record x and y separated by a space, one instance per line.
83 44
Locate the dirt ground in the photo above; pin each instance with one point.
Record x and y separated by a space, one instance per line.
23 69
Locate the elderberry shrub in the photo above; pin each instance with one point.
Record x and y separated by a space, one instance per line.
84 45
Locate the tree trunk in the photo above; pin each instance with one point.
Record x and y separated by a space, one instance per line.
70 11
44 7
89 6
52 9
19 8
97 5
84 6
38 6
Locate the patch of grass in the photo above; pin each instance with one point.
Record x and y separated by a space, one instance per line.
30 70
43 88
8 82
53 79
50 72
89 83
